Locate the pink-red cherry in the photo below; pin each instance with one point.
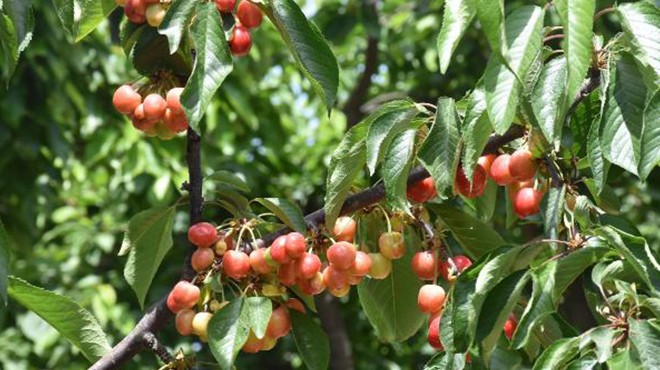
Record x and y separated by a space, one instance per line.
278 251
295 245
154 106
499 171
474 189
423 265
287 274
225 6
430 299
341 255
392 245
183 321
422 191
184 295
126 99
279 324
527 202
486 162
334 278
202 234
236 264
258 262
434 332
241 41
344 229
308 265
249 14
361 264
202 259
295 304
522 166
135 11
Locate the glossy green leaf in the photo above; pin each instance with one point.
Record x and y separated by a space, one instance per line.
286 211
386 123
391 304
176 22
456 19
230 179
446 361
554 210
93 12
440 152
650 139
309 48
548 98
558 354
624 360
641 23
578 44
622 121
213 63
597 161
476 131
150 53
147 239
645 337
4 261
502 93
602 338
259 310
475 236
65 12
396 167
228 331
71 320
16 31
311 341
490 14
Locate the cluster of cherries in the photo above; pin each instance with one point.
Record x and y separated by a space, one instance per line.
248 17
141 11
155 114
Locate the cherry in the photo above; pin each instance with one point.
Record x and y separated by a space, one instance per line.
462 262
423 265
392 245
287 274
202 259
222 245
516 186
341 255
240 41
225 6
449 272
510 326
295 245
295 304
175 122
252 344
308 265
434 333
312 286
236 264
522 166
279 324
486 161
361 264
200 323
380 266
249 14
202 234
154 106
126 99
135 11
340 291
474 189
422 191
155 14
355 279
278 250
258 262
184 295
344 229
499 171
334 278
184 320
527 202
269 343
430 298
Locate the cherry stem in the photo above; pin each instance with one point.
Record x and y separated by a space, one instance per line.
603 12
387 218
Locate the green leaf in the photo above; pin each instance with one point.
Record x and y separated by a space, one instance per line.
4 261
93 12
391 304
71 320
386 123
396 167
599 167
16 26
228 331
176 22
553 211
524 35
286 211
213 63
641 23
446 361
259 310
622 121
578 44
150 52
147 239
558 354
602 338
228 178
650 139
440 152
550 281
502 92
490 14
64 10
456 19
624 360
476 237
311 341
309 48
347 162
645 337
548 99
476 131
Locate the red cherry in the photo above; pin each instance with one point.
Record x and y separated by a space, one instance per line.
225 6
295 245
527 202
249 14
516 186
312 286
183 321
462 262
135 11
202 259
236 264
308 265
474 189
486 161
279 324
392 245
184 295
253 344
154 106
522 166
430 298
287 274
449 271
344 229
174 100
278 251
422 191
258 262
295 304
361 264
202 234
241 41
341 255
499 171
434 333
126 99
510 326
175 122
333 278
423 265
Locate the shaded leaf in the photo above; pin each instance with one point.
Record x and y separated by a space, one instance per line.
553 211
286 211
176 22
259 310
558 354
475 132
311 341
396 167
228 178
4 261
386 123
